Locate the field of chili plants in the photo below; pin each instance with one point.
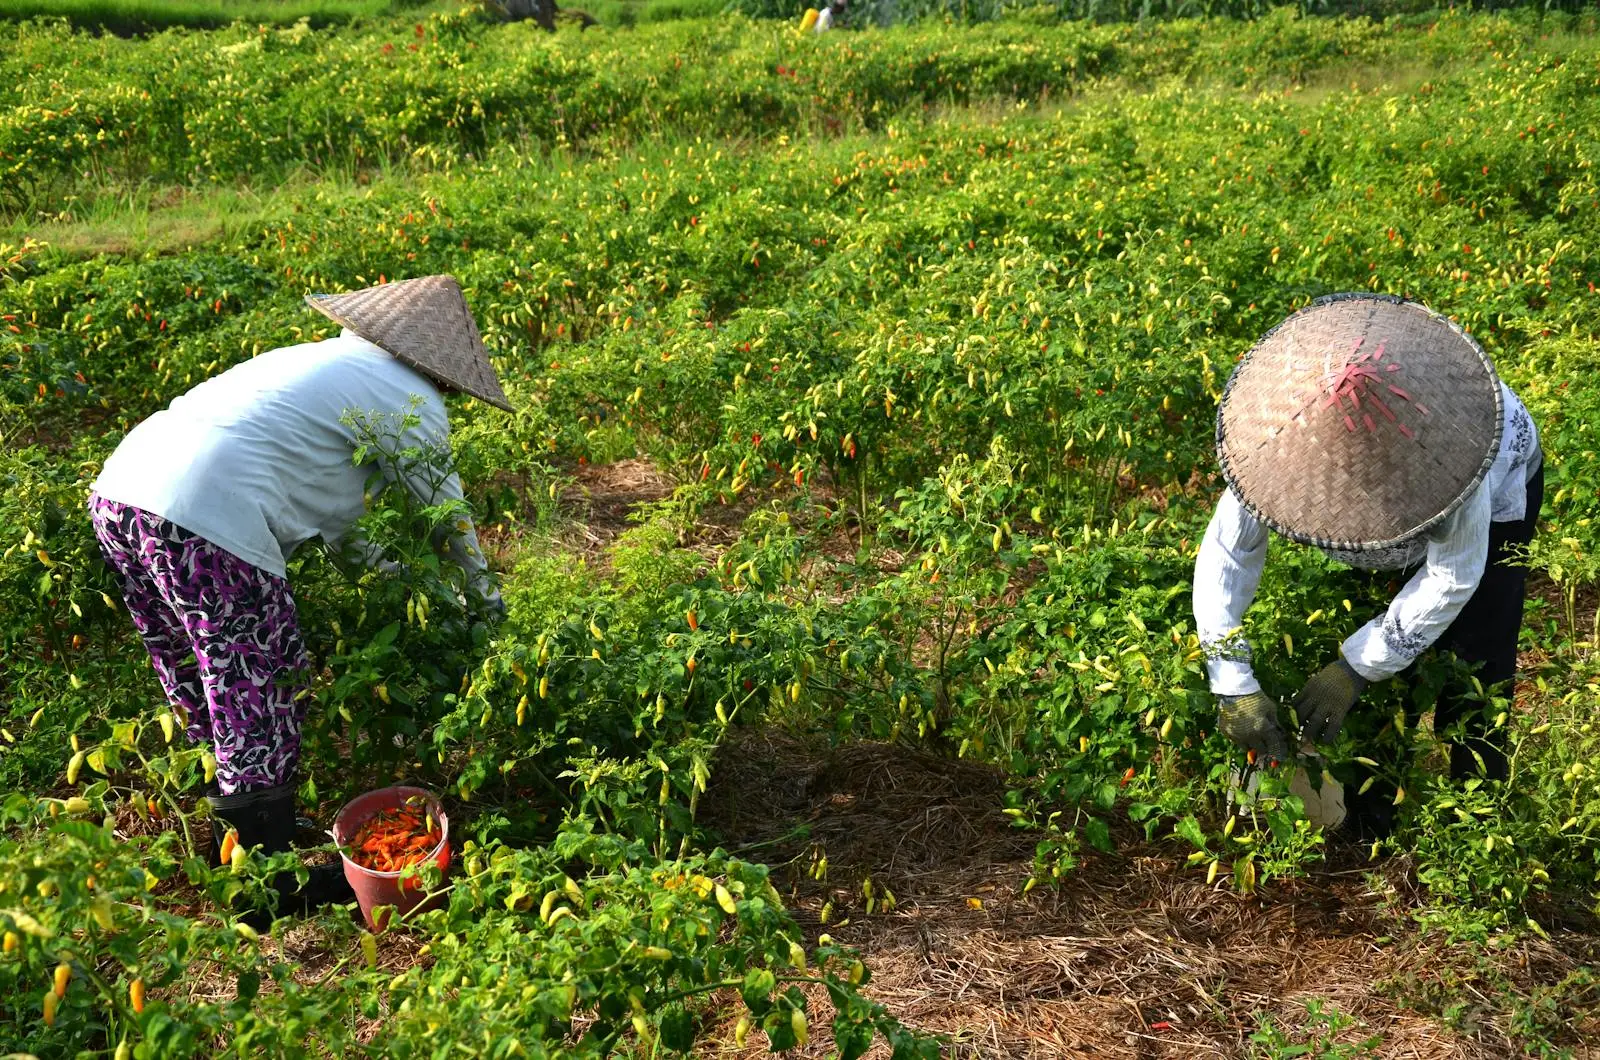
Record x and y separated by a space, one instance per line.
865 390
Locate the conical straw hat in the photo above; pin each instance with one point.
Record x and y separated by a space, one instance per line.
1359 422
425 323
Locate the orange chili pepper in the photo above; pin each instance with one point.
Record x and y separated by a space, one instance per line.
394 839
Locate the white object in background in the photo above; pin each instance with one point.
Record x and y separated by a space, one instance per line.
1325 806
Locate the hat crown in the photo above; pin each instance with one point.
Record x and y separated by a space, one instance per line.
1359 422
426 323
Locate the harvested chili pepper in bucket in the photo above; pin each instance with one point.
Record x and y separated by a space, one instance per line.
395 839
387 838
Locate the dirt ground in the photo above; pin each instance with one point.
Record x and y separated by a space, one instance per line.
1133 956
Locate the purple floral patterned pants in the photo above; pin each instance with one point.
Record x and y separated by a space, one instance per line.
223 637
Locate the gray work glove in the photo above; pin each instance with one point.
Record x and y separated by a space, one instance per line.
1326 699
1251 721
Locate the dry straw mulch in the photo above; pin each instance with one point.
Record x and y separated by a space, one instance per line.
1133 956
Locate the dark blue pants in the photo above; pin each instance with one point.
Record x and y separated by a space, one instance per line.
1483 637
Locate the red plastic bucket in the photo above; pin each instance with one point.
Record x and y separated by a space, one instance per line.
403 890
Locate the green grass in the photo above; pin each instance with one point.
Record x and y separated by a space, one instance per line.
134 17
129 17
638 12
168 219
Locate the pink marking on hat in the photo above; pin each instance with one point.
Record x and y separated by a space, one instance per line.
1358 377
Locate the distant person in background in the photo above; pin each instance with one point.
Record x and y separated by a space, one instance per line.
200 506
828 16
1377 431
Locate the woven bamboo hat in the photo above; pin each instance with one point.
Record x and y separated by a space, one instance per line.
425 323
1359 422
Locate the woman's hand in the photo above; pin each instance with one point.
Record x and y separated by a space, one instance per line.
1326 699
1251 721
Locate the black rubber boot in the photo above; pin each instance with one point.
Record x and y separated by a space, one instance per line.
265 818
1368 817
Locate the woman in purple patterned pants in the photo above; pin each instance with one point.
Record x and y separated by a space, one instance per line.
222 636
201 505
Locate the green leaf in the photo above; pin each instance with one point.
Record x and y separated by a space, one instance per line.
1190 829
850 1038
93 835
677 1029
757 989
1098 833
780 1032
384 638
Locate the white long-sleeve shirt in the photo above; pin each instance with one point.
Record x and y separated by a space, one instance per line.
1453 555
259 459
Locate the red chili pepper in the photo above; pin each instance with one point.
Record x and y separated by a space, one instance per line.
394 839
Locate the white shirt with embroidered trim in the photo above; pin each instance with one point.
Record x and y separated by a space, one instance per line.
258 460
1453 555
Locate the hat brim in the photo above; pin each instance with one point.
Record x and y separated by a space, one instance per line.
426 323
1359 423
